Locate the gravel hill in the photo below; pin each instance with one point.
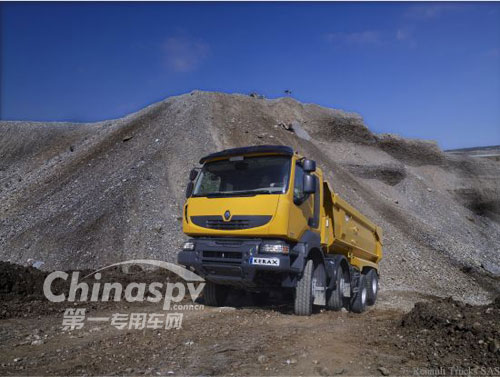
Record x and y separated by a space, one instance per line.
85 195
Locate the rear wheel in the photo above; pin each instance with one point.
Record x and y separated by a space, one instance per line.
372 284
358 302
303 291
215 295
335 299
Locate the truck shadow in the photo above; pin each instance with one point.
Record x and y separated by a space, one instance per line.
281 302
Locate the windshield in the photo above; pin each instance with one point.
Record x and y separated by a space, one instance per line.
246 176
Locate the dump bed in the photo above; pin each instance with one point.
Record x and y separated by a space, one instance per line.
347 231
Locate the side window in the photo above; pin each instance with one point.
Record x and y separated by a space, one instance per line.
298 186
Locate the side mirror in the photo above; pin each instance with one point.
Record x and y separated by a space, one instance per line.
193 174
309 184
309 165
189 189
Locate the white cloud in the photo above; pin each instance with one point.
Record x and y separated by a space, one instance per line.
401 35
429 11
184 54
366 37
405 36
493 52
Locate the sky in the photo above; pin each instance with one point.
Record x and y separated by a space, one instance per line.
424 70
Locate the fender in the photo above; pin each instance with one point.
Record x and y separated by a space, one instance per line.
331 268
308 242
302 250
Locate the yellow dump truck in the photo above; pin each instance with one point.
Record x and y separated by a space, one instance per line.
262 218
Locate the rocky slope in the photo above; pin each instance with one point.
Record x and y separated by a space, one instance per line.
84 195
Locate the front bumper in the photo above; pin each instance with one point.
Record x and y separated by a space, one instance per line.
238 262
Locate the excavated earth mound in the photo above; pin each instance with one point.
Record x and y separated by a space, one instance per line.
77 196
453 334
22 295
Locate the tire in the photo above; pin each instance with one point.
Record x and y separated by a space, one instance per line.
303 291
372 284
335 297
358 302
215 295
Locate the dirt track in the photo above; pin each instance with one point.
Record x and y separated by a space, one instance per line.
240 341
243 339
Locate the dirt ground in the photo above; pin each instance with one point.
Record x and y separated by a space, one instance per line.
245 339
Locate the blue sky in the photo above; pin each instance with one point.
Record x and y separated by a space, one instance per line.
427 70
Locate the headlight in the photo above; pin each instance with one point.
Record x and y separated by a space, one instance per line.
274 248
188 246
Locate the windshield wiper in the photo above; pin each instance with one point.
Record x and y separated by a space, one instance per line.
230 193
241 193
218 194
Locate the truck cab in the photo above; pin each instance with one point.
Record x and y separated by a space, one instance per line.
262 218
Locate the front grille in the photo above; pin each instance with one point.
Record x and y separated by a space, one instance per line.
221 257
236 222
222 254
229 242
227 225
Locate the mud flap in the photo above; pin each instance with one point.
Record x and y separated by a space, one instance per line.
320 296
319 285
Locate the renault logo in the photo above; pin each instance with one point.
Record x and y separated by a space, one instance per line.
227 215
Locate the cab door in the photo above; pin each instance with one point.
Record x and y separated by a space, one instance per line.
302 209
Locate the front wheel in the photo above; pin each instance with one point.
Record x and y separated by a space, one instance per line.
303 291
214 294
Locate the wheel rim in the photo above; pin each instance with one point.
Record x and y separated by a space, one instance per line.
363 295
374 285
